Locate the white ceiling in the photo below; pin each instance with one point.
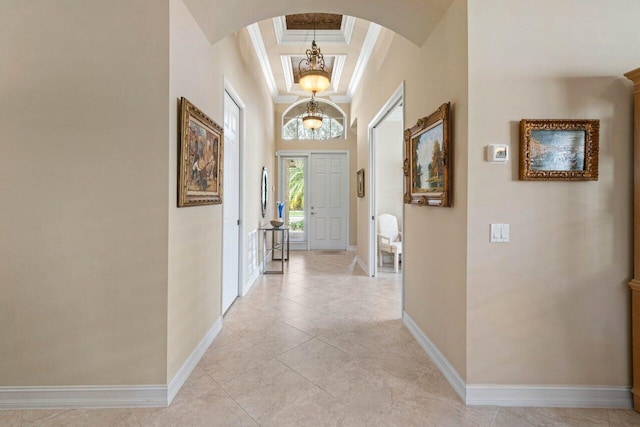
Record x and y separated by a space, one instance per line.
280 50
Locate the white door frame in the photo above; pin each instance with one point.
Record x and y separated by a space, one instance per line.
228 88
394 101
307 154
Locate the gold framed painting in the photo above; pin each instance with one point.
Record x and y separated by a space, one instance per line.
200 157
427 166
559 150
361 183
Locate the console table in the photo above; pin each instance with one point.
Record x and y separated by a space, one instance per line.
279 245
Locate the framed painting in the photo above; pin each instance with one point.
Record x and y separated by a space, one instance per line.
200 157
559 150
427 166
361 183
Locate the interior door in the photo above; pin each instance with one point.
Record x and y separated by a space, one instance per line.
231 204
329 201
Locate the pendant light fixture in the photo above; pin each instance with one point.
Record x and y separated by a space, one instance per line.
312 118
313 77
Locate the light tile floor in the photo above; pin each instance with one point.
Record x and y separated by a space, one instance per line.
322 345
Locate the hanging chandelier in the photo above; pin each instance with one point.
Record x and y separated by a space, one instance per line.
313 77
312 118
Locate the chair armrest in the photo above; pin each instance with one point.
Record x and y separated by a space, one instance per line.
383 240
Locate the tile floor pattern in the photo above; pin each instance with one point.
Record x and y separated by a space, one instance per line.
322 345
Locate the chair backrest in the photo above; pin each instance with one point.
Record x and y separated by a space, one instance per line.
388 226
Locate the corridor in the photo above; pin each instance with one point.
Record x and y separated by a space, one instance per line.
322 345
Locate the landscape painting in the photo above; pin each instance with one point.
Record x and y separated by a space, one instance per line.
200 152
427 165
559 150
429 172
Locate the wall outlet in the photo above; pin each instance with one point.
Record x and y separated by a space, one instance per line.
499 233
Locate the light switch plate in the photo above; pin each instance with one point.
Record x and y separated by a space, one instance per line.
499 233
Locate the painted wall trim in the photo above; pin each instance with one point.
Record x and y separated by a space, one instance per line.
65 397
549 396
436 356
130 396
521 395
363 266
246 287
192 361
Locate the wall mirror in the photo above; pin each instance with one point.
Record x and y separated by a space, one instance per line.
264 192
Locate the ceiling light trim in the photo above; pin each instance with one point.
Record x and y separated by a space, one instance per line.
263 59
287 37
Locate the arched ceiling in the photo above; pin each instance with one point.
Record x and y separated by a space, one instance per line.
412 19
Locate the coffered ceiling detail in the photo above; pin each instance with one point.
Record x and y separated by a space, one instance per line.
346 51
310 21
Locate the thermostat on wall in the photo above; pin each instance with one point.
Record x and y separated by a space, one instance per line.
497 153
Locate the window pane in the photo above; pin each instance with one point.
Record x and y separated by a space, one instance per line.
332 124
294 197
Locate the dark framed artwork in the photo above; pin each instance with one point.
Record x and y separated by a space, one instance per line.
427 166
200 157
559 150
361 183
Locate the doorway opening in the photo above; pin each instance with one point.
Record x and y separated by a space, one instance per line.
314 188
386 181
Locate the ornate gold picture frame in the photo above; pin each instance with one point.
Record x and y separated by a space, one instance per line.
361 183
200 155
428 162
559 150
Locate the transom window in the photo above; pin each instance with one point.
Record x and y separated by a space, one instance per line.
333 122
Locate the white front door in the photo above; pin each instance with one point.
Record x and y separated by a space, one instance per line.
329 201
231 203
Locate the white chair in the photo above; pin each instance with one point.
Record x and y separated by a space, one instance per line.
389 239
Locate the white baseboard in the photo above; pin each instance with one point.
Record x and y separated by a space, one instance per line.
522 395
129 396
436 356
83 397
250 282
362 265
549 396
192 361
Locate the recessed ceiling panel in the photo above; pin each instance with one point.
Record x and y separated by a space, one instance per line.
305 21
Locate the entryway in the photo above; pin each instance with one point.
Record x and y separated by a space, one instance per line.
314 187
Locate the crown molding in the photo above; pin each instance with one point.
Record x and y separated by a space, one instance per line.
338 68
363 59
341 99
263 58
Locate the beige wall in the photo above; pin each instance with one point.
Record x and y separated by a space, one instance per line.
83 172
435 239
389 175
551 306
198 70
348 144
